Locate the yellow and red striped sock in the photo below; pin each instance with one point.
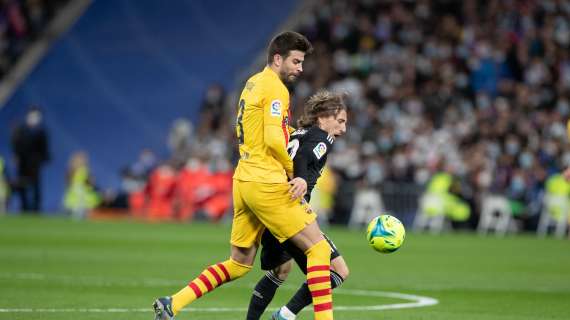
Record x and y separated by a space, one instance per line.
211 278
318 280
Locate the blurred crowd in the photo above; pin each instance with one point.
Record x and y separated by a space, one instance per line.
476 89
21 23
195 181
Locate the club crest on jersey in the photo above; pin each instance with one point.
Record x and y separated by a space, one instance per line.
275 108
320 150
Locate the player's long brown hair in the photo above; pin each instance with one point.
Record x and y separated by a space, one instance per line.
322 104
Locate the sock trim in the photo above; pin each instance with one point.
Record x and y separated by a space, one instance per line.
338 280
271 276
240 264
322 242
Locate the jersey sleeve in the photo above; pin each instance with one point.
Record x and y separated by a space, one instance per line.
275 130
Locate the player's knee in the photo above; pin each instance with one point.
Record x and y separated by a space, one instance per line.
345 273
283 270
340 267
245 256
342 271
235 269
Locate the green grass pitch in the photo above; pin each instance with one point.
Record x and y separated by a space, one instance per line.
53 268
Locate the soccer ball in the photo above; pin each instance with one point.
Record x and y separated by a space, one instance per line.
385 233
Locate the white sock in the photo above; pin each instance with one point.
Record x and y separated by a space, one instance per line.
287 314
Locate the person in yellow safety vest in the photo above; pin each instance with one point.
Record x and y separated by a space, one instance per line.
4 187
557 187
565 175
443 200
80 196
322 200
566 172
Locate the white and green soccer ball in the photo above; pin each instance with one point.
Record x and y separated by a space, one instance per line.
385 233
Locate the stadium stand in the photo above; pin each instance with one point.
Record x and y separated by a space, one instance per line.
113 85
21 23
475 90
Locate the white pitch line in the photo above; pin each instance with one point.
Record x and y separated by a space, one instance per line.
415 301
418 301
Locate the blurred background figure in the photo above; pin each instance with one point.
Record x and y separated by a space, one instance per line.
146 162
322 198
160 192
31 152
212 109
180 141
80 195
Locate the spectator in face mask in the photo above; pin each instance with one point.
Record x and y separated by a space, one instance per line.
31 153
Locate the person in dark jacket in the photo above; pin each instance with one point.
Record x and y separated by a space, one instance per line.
31 153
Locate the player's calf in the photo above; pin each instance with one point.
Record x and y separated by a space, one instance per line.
282 271
265 289
339 266
211 278
302 298
318 280
238 265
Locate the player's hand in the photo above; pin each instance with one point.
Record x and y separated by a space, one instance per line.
566 174
298 188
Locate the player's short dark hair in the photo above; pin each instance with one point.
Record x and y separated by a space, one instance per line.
286 42
322 104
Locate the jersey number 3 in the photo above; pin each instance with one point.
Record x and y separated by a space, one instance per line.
239 125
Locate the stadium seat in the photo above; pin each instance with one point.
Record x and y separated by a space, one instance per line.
496 215
367 205
431 215
554 213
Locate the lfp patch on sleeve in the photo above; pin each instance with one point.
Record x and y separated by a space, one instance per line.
320 150
275 108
